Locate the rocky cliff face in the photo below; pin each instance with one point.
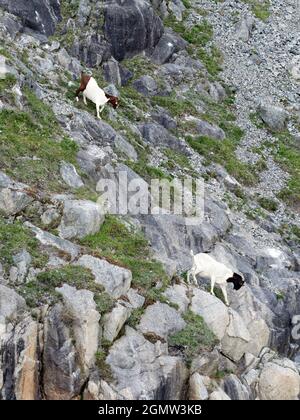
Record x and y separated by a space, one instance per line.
209 90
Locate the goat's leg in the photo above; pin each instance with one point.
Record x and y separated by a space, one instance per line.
98 111
195 278
224 291
188 275
80 89
212 286
84 99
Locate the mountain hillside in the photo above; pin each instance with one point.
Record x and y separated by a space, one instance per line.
97 306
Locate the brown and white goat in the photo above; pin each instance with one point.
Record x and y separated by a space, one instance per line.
90 90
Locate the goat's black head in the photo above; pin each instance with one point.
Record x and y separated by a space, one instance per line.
237 281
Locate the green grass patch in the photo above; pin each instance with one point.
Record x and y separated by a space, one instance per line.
288 156
176 106
139 66
223 152
129 248
7 83
260 8
194 338
13 238
135 317
32 147
42 290
268 203
103 366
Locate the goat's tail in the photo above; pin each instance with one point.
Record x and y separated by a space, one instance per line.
192 253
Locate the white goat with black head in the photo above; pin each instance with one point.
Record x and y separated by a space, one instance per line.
218 273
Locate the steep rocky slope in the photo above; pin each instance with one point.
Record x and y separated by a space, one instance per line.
209 90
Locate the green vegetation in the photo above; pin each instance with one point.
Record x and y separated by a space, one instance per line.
32 145
130 249
223 152
180 161
194 338
14 237
135 317
256 120
288 156
42 289
290 232
212 60
139 65
198 37
280 296
268 203
104 368
176 106
260 8
147 172
7 83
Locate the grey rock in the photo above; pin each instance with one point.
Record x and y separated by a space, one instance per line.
19 375
273 116
64 58
116 280
114 321
136 300
112 72
168 44
217 92
92 49
69 174
128 39
126 148
22 262
147 374
13 202
156 135
272 258
244 28
219 395
62 374
162 117
40 15
169 323
80 218
11 24
5 180
206 364
11 305
84 10
213 311
206 129
50 216
235 389
49 240
125 75
146 85
177 8
197 388
236 338
177 294
278 383
81 310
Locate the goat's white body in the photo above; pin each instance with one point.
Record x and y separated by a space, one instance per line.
207 266
95 94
